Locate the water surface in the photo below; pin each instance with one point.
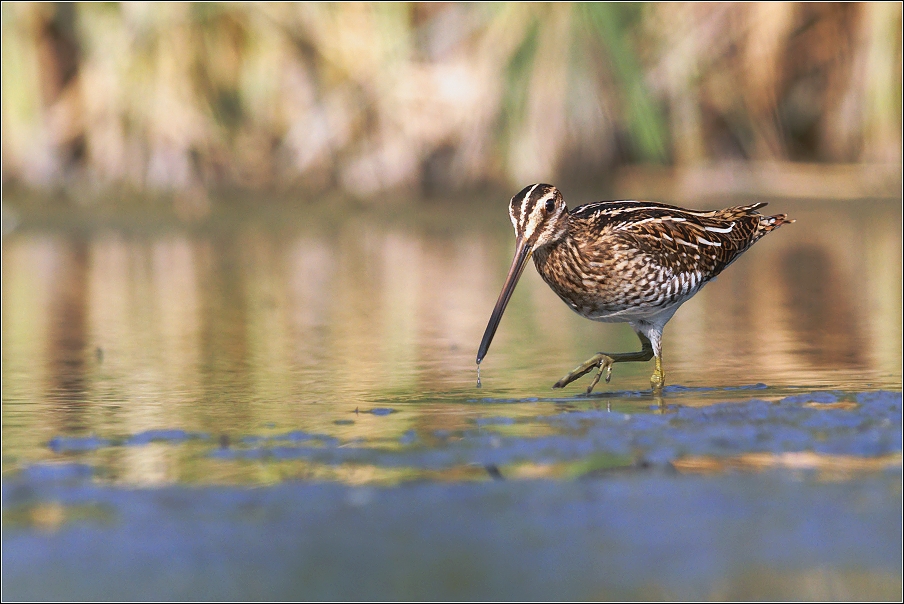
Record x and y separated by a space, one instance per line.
327 357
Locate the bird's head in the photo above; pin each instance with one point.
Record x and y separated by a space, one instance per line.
540 218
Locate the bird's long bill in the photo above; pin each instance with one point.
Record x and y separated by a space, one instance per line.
522 253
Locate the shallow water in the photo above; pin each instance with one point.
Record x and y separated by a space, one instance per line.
152 373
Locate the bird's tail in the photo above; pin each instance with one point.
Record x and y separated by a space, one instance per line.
765 224
770 223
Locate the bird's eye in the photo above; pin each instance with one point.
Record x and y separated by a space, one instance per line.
550 205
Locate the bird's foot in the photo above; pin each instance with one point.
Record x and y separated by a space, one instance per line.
599 360
657 380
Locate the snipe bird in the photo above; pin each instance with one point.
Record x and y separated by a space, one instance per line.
624 261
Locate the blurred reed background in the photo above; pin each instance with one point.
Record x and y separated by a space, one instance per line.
372 99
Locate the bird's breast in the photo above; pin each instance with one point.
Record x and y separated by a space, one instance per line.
581 283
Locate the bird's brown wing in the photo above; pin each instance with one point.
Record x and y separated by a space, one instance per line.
672 257
656 255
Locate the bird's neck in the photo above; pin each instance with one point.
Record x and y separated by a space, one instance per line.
558 262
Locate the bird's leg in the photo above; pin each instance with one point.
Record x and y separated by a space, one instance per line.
604 362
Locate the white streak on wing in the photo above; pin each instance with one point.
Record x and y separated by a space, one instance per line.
708 242
640 205
625 225
718 230
687 243
601 206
